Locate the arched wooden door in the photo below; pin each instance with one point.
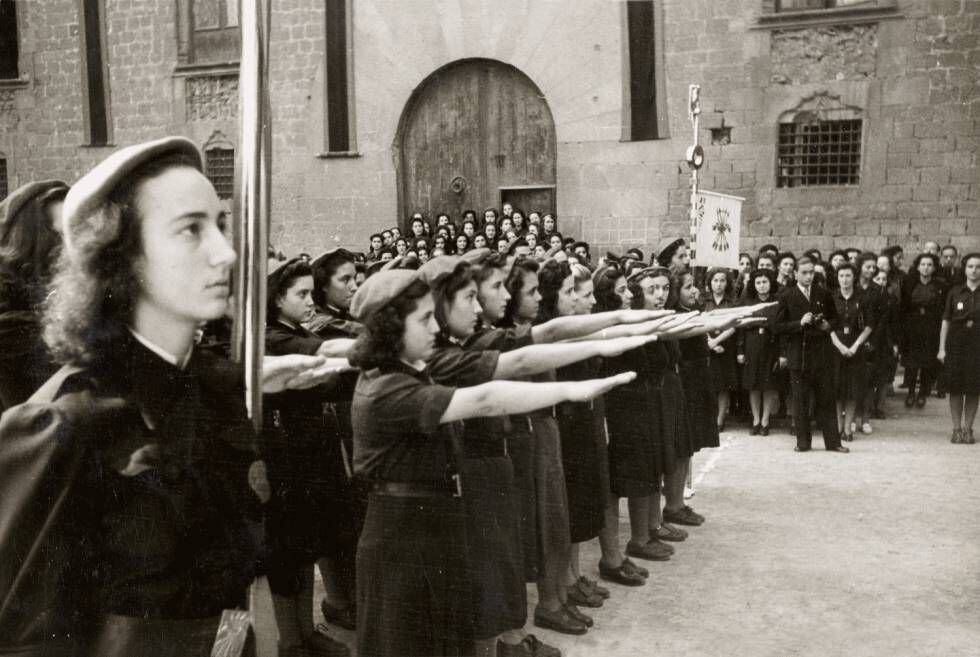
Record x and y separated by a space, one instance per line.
474 134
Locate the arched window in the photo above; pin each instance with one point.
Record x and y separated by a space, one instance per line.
819 144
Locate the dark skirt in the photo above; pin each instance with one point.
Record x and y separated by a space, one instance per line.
494 545
674 423
636 442
583 477
522 446
413 593
963 359
551 499
761 371
853 376
700 404
722 366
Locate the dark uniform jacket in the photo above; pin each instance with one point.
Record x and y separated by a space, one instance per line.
805 346
124 490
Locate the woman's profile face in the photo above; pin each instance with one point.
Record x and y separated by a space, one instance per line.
296 303
343 285
584 298
565 304
689 292
622 290
186 261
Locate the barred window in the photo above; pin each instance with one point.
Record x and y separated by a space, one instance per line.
819 152
219 165
3 178
810 5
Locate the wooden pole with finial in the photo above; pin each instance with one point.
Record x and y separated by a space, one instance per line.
695 160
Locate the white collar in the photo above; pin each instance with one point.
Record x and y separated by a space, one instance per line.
805 290
161 352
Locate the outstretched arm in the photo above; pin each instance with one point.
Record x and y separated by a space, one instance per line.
577 326
516 397
542 357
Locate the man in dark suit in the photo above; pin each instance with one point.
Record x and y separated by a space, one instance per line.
806 316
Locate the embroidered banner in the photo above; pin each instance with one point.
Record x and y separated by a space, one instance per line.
717 229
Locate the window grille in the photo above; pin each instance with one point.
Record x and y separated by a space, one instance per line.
220 167
819 153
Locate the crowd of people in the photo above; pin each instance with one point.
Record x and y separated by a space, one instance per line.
447 418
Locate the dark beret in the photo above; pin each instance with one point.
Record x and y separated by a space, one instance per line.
477 257
283 270
668 250
338 252
92 189
437 269
379 290
23 195
640 273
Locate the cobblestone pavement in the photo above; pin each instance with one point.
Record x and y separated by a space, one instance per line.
874 553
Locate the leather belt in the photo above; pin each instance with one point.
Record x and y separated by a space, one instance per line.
418 488
483 449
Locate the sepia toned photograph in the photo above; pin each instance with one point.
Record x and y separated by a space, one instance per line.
489 328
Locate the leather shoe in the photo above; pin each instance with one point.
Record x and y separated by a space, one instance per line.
592 586
764 430
583 597
632 565
840 448
575 613
754 431
801 449
558 620
683 516
621 575
650 551
667 532
530 646
920 401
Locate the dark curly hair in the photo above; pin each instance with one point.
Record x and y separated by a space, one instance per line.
382 342
605 288
550 277
751 293
283 280
29 247
515 285
445 291
914 269
96 286
324 270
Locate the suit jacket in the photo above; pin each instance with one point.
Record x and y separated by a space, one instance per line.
806 347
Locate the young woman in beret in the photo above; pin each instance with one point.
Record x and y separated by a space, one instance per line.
131 479
414 595
30 225
499 516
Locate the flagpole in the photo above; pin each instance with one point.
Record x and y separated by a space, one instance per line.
252 213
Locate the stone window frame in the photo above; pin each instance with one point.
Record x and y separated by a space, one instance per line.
187 58
24 55
819 107
871 11
348 65
660 74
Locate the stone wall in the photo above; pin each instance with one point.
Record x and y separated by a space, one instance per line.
911 76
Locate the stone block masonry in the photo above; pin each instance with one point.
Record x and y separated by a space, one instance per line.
910 75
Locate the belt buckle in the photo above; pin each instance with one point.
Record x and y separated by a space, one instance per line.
457 485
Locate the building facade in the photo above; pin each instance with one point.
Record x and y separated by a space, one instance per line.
841 122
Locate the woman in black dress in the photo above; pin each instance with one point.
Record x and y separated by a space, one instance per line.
849 337
303 455
959 349
923 297
29 243
721 344
758 353
414 593
131 480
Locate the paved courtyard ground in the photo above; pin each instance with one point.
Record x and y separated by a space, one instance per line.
874 553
